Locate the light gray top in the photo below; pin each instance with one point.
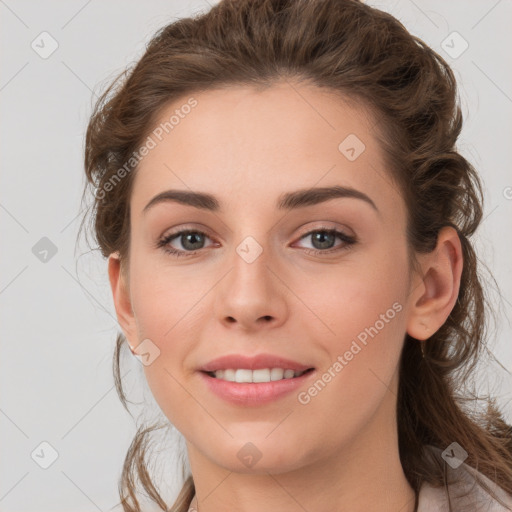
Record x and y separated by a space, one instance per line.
463 495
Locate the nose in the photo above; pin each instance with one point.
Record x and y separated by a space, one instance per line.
252 295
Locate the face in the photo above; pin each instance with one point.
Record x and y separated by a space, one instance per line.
257 276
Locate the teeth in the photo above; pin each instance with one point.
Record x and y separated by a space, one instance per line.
260 375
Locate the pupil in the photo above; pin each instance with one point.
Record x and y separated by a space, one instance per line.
192 236
320 236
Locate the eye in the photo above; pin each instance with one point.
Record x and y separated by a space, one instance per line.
192 240
323 239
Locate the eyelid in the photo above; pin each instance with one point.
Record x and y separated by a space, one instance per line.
187 227
326 227
306 231
348 240
175 234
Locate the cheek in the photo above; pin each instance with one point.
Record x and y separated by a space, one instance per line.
365 313
360 323
167 314
169 307
165 300
350 297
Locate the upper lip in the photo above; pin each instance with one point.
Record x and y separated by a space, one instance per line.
256 362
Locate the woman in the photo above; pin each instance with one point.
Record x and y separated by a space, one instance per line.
287 223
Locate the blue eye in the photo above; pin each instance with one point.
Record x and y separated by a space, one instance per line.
323 237
192 240
188 237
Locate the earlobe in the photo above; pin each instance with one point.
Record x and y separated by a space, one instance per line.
121 296
432 301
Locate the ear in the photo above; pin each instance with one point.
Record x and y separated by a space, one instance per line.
122 302
434 292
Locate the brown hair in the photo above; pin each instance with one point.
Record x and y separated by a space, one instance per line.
364 54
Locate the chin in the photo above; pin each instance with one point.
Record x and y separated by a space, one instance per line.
258 455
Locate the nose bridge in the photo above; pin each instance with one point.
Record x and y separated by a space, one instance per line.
251 291
251 262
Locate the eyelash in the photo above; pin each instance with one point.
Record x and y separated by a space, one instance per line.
347 239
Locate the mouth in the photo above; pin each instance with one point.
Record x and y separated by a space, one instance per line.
246 376
254 387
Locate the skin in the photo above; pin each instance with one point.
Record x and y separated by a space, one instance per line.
247 147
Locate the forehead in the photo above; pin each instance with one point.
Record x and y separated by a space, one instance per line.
241 141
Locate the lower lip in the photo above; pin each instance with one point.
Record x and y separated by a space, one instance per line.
254 393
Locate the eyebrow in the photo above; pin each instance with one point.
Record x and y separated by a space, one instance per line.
287 201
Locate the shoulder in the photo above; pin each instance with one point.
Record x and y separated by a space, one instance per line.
462 492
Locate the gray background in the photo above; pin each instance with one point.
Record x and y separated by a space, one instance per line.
57 320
